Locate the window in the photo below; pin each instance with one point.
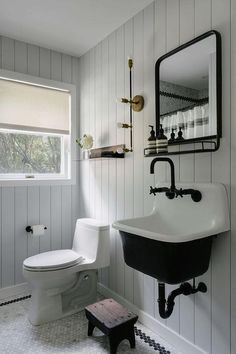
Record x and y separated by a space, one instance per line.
35 128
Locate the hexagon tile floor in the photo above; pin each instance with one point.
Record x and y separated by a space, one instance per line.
68 335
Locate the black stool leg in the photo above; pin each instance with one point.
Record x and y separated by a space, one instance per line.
114 342
90 328
132 338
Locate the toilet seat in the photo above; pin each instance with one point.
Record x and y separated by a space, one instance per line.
52 260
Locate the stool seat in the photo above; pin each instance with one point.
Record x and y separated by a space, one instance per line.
112 319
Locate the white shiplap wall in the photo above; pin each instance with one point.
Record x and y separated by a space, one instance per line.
54 206
119 188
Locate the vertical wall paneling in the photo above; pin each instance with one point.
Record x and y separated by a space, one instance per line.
233 176
112 163
21 60
45 63
120 87
148 119
203 319
75 190
138 143
66 227
33 218
82 131
21 202
186 12
203 23
160 48
98 132
56 68
129 160
56 207
45 217
186 33
56 217
8 234
85 191
105 142
202 324
173 40
8 60
85 201
33 60
92 130
66 68
20 234
221 173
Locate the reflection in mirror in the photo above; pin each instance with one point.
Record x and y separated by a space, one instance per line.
188 91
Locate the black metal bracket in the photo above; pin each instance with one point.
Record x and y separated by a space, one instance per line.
166 307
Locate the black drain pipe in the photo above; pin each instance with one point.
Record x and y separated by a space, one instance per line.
166 306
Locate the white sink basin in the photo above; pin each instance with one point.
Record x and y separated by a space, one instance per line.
173 244
181 219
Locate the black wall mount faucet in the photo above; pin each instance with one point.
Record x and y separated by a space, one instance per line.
172 192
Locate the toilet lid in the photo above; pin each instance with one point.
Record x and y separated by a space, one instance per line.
53 259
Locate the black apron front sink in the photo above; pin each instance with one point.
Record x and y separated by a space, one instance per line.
168 262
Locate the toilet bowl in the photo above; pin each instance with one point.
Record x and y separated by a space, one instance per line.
65 281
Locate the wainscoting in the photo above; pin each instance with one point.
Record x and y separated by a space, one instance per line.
114 189
54 206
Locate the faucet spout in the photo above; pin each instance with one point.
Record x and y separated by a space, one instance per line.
172 169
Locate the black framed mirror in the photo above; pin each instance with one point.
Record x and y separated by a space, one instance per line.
188 92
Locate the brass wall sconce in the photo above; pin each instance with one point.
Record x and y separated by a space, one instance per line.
136 104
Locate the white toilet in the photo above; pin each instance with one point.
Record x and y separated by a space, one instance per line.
64 281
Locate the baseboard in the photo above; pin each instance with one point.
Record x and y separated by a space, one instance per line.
13 290
179 342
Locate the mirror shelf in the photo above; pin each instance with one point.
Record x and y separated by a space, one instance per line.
199 147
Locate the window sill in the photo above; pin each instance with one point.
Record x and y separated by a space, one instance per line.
36 182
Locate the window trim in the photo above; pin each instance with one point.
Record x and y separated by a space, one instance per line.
38 81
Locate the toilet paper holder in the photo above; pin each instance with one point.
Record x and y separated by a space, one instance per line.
29 228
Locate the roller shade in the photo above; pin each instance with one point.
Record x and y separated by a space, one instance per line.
34 108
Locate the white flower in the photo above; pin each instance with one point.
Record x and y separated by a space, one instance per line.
86 142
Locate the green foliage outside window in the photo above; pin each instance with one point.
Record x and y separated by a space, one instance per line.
29 153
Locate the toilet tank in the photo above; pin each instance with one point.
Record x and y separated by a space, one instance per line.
92 241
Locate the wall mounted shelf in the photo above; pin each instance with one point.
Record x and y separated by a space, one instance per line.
204 146
107 152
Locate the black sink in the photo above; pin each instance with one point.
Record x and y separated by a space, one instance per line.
168 262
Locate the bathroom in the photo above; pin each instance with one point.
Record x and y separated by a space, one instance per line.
117 188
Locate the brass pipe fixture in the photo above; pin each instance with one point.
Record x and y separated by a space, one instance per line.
136 104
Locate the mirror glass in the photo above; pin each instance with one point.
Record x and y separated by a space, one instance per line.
187 90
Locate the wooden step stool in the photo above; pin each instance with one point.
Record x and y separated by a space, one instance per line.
113 320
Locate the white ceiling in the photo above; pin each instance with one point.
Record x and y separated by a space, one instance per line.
69 26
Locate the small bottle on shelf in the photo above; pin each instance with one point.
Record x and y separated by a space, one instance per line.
151 142
180 134
161 142
172 135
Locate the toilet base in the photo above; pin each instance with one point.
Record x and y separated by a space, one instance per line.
51 304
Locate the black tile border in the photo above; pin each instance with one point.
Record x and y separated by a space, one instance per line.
15 300
151 342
